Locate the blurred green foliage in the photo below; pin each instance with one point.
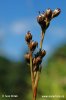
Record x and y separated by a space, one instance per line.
53 77
15 78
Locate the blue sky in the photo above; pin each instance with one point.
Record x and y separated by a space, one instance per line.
18 16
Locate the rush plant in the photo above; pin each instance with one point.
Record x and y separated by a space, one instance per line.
34 60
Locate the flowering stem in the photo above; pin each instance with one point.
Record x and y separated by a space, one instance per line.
42 38
32 75
36 84
37 73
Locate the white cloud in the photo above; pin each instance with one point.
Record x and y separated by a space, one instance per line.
21 26
18 27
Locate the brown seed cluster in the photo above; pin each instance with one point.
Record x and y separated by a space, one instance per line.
56 12
28 37
44 21
36 58
31 44
45 18
27 57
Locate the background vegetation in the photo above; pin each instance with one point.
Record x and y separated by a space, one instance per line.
15 78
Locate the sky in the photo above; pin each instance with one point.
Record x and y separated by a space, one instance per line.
18 16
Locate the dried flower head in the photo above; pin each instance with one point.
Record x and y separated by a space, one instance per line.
27 57
42 20
42 53
49 14
45 18
28 37
37 61
56 12
33 45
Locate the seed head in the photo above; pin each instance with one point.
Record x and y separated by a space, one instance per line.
45 18
41 19
43 53
27 57
33 45
49 14
37 61
28 37
56 12
40 53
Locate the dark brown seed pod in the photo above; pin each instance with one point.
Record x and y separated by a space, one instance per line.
37 61
27 57
49 14
40 53
33 45
28 37
41 19
56 12
43 53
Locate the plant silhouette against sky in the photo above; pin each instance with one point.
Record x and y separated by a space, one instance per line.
34 60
